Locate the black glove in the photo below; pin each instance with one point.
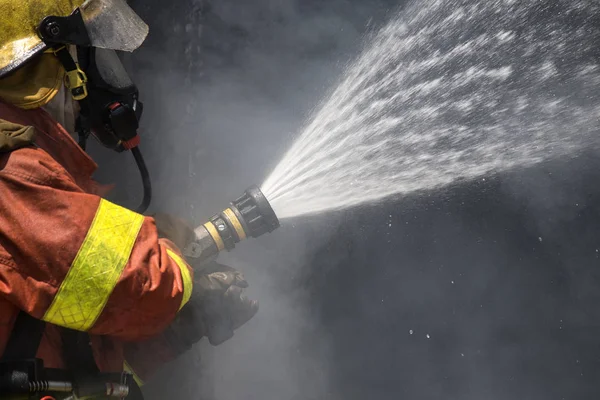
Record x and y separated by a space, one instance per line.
216 308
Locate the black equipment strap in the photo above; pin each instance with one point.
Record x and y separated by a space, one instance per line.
69 64
63 55
25 338
78 354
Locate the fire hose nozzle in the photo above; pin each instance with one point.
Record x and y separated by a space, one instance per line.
250 215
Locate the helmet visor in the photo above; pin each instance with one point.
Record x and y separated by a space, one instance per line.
112 24
111 69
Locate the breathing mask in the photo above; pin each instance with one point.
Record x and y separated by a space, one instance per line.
110 109
113 109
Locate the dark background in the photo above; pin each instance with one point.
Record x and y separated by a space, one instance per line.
502 273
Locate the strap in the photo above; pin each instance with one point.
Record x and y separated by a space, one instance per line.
76 82
76 79
77 353
79 359
63 55
25 338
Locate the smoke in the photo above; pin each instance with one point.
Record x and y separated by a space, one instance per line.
226 86
486 290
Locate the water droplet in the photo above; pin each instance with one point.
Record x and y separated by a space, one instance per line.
381 147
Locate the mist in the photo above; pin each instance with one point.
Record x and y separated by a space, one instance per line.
226 88
483 290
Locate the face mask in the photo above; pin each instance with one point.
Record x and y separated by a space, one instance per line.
112 110
109 106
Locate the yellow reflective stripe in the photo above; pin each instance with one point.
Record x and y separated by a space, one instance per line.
96 268
185 276
137 379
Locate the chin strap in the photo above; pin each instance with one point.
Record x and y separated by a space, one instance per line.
75 78
76 82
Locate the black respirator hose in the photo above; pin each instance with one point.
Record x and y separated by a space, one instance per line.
139 160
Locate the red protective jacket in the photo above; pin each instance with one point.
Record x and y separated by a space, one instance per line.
73 259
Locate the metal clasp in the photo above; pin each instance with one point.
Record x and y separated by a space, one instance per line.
76 82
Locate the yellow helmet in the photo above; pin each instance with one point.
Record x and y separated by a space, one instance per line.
30 27
19 40
109 24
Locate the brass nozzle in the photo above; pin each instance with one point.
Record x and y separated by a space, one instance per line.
249 215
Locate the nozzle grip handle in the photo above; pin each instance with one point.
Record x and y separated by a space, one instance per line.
201 250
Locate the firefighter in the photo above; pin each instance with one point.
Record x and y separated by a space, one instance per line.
86 285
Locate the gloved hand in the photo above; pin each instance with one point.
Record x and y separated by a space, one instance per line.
217 306
216 309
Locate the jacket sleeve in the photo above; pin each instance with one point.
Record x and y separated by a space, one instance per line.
79 261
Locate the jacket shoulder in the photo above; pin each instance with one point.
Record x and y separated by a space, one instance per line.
30 164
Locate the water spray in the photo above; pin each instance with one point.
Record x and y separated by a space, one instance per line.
447 91
250 215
